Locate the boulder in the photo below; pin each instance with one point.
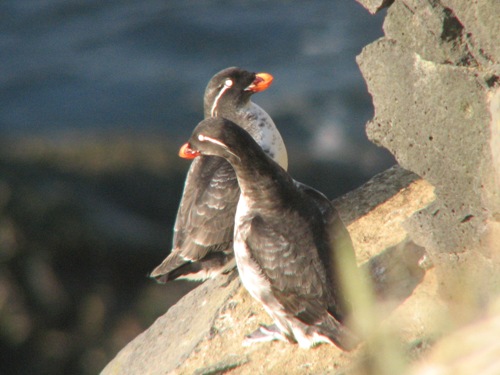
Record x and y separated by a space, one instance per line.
434 79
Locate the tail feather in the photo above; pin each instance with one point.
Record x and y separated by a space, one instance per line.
176 267
172 262
339 334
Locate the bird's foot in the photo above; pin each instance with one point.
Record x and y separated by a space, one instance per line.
264 334
231 275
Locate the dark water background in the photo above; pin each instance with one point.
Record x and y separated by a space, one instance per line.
143 65
91 92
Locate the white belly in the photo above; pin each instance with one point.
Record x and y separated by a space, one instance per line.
250 273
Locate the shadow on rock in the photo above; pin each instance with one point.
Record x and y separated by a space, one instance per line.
396 272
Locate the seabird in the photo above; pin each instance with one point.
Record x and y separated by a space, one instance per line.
289 242
203 230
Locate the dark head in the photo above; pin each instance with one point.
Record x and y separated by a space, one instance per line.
216 136
231 88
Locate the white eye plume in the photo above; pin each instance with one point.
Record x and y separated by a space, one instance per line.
227 84
204 138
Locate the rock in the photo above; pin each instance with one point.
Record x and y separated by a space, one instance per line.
473 349
418 134
203 332
432 78
480 20
429 30
374 6
174 336
495 135
373 193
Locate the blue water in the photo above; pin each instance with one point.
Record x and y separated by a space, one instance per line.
87 65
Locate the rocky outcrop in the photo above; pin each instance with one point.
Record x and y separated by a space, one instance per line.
374 6
175 335
434 79
435 87
203 332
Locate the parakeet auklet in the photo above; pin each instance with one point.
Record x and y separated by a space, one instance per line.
289 242
203 230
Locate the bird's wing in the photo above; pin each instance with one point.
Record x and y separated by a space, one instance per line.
320 199
339 257
297 278
288 258
205 219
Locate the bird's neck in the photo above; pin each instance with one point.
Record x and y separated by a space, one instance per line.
261 179
258 124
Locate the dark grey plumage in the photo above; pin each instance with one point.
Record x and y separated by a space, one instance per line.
289 242
203 230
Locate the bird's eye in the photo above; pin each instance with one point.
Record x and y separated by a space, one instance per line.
228 83
201 138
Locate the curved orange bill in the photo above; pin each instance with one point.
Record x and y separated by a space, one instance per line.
261 82
187 152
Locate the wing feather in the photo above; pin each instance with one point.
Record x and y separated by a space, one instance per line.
205 218
291 263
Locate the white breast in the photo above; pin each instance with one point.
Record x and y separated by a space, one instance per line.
266 134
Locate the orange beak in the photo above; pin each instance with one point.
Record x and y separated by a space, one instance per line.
187 153
261 82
